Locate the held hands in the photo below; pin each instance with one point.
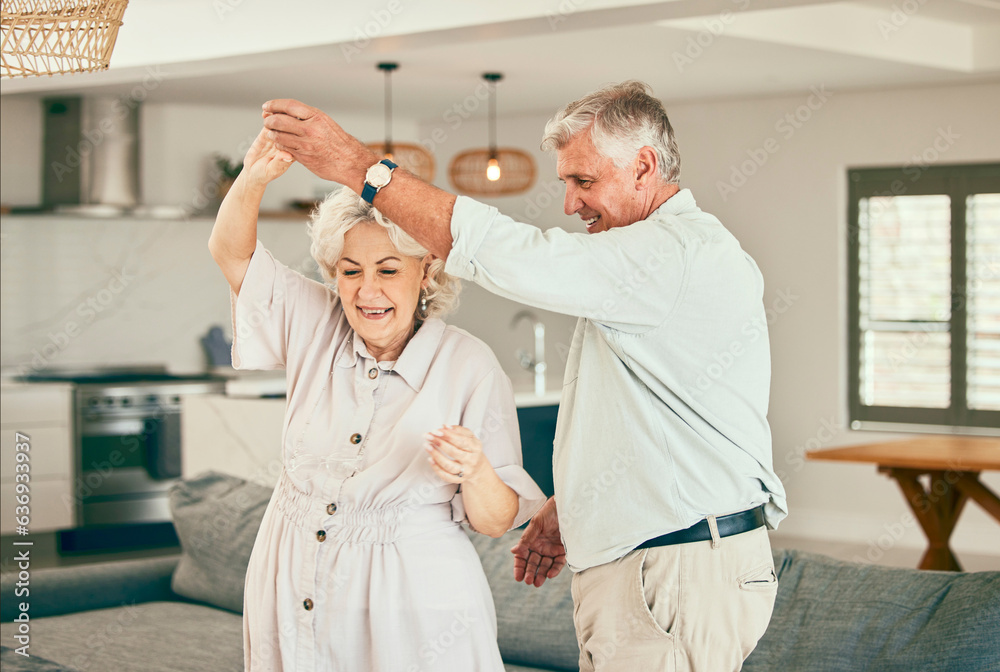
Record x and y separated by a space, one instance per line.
316 141
540 553
264 162
456 455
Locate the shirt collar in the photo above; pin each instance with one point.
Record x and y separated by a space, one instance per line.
416 358
679 203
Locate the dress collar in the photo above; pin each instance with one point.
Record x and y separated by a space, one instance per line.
415 359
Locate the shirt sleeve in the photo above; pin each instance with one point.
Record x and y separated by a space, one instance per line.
628 278
491 415
263 328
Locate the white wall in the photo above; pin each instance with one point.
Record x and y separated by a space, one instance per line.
20 151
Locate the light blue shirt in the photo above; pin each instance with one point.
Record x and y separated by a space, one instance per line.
663 418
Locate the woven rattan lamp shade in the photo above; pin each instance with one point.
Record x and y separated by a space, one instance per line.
414 158
54 37
467 172
492 171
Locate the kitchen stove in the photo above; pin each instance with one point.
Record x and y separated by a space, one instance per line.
127 450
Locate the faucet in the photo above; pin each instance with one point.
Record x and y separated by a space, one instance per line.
537 362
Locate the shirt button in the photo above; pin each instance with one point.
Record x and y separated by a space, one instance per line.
331 508
308 604
372 373
321 535
355 438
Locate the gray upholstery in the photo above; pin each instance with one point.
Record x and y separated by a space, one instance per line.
833 616
150 637
64 590
829 615
216 517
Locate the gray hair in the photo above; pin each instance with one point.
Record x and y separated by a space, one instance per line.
623 118
339 213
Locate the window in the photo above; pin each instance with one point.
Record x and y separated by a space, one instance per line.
924 295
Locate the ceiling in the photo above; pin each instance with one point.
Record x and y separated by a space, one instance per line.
550 52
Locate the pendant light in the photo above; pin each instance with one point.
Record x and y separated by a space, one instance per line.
494 171
414 158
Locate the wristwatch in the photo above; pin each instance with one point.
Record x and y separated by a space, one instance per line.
377 177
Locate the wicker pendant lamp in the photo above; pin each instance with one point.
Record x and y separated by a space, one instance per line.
494 171
414 158
56 37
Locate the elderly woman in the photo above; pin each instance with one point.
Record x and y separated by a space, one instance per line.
398 427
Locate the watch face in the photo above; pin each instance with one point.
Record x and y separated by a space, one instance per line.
378 175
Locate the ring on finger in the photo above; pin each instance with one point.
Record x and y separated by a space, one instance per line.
461 473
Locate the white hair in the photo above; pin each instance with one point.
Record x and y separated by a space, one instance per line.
339 213
622 118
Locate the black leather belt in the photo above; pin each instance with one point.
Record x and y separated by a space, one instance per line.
735 523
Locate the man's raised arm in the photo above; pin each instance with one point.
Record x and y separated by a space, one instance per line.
321 145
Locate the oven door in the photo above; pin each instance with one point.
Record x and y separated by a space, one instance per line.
127 464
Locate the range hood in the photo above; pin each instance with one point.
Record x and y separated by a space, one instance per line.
91 154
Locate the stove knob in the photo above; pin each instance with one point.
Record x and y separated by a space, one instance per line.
126 401
175 399
109 401
152 399
93 401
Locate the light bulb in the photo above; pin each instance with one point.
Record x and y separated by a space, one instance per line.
493 170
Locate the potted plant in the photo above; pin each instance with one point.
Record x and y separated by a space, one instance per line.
227 173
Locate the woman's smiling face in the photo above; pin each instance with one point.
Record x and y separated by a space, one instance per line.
379 287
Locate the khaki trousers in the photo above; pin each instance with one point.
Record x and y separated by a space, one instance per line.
698 607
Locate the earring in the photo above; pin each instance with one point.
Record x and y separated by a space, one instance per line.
423 302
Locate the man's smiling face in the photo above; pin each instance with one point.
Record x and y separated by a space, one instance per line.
602 194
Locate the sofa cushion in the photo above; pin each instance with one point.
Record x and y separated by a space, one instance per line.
833 616
152 637
216 517
534 625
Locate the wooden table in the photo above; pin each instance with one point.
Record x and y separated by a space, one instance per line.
953 464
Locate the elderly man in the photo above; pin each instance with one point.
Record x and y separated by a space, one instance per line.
662 460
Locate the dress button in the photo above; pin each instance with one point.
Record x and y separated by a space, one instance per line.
331 508
355 438
321 535
373 373
308 604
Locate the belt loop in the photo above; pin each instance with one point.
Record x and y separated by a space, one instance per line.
714 529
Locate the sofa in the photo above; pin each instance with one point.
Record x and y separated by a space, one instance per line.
181 613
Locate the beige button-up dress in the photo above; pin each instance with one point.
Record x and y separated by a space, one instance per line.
360 562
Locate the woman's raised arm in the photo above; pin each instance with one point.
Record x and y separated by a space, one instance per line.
234 236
